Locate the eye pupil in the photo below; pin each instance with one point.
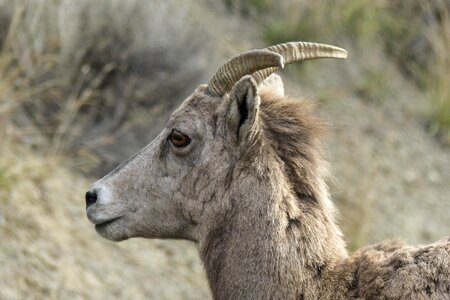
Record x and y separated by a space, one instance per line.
178 139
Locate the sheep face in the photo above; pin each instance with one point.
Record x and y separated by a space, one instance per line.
172 188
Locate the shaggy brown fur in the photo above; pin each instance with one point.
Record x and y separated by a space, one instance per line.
393 270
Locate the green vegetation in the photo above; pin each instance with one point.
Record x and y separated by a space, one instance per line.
6 180
414 35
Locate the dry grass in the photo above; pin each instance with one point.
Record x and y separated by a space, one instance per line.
78 73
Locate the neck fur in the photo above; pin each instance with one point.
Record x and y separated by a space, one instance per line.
273 244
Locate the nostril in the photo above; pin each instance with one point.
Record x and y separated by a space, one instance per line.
91 198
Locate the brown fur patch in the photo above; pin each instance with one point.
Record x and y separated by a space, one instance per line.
294 132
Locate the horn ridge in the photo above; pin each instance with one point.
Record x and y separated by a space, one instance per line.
299 51
240 65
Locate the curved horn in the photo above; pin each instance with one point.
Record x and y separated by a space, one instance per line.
241 65
299 51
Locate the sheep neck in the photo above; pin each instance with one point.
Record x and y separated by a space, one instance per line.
273 245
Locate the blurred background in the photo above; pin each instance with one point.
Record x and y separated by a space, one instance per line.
85 84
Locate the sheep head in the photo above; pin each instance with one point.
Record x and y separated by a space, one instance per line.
176 186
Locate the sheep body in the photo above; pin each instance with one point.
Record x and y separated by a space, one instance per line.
394 270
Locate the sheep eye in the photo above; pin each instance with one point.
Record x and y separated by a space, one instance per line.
178 139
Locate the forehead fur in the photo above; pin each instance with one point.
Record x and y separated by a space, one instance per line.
199 105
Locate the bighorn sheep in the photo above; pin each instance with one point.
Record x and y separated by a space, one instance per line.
239 170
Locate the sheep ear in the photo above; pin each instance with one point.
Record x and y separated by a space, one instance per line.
243 110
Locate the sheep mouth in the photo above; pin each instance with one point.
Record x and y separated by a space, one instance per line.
106 223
